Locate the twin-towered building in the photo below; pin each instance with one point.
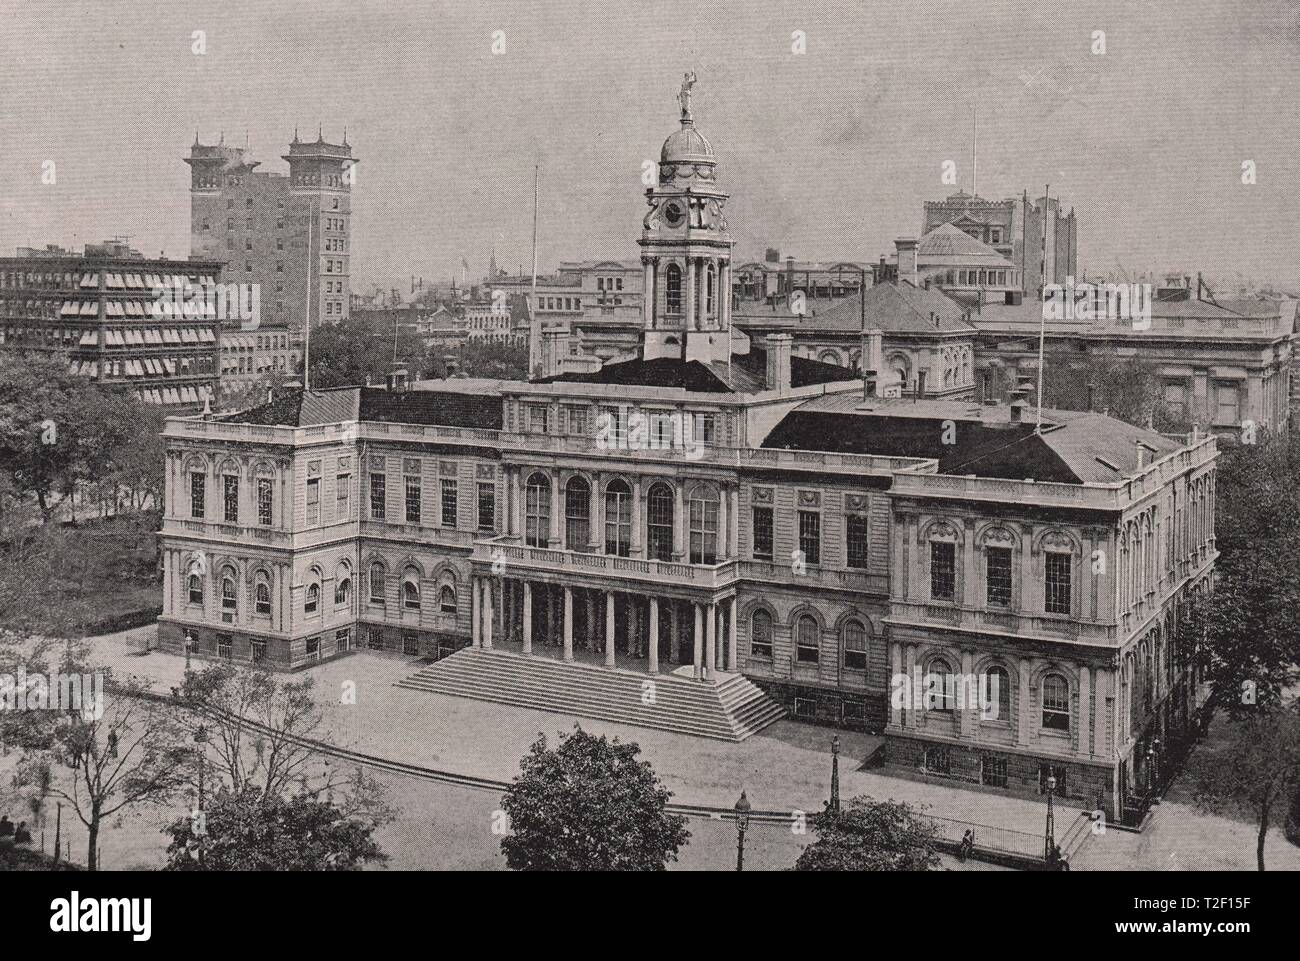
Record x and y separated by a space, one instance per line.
705 515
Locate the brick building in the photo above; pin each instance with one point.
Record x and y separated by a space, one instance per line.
290 235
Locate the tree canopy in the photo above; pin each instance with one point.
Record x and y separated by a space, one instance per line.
868 835
589 805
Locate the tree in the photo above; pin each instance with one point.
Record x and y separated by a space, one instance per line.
249 830
260 732
589 805
869 835
1245 633
1257 771
133 753
347 354
1127 387
501 360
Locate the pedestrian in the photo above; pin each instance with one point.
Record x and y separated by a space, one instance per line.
6 827
22 835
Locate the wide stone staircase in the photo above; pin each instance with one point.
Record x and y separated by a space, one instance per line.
730 710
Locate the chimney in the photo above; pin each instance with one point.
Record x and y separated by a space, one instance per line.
778 362
1018 404
906 247
1142 454
789 279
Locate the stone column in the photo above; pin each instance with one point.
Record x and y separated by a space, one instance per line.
710 640
528 618
609 629
485 617
1085 721
697 662
637 519
680 527
914 707
647 309
590 642
596 536
966 718
689 294
724 527
653 641
734 515
1022 702
1099 729
519 502
702 295
568 623
475 614
557 510
896 670
733 655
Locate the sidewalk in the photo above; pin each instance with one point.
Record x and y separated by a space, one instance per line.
786 767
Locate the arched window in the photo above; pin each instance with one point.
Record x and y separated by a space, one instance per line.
1056 703
196 589
447 599
577 514
855 646
708 291
995 702
411 590
807 640
659 523
673 289
229 600
313 599
618 518
940 689
342 591
760 634
377 583
262 595
829 357
704 525
537 510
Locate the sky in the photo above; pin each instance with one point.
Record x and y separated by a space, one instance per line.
828 153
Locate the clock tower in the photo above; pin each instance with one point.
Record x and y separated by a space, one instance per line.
686 251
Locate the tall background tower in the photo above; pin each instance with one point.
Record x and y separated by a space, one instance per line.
686 251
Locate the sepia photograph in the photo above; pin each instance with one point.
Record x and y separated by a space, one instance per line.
443 437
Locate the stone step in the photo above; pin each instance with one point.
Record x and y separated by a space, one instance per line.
732 709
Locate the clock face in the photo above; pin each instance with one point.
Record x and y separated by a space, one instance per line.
674 214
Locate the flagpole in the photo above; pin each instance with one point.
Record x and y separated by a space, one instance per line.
306 351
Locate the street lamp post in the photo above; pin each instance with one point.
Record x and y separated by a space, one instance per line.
835 775
201 739
742 825
1049 839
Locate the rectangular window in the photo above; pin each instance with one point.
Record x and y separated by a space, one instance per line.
1227 405
343 640
313 649
225 646
258 651
487 507
313 501
937 759
448 503
197 484
943 571
856 537
374 639
1056 583
410 643
537 418
230 498
342 497
993 771
705 426
378 495
577 420
413 500
998 560
810 536
763 533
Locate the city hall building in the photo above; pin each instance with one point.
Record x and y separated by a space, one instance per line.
743 532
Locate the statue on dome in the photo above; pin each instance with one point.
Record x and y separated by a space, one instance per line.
685 96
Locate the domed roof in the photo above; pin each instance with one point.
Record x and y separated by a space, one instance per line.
686 145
